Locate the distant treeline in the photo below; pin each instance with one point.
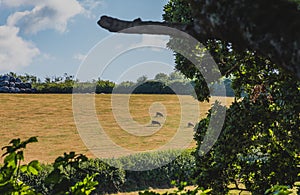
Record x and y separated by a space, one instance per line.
174 83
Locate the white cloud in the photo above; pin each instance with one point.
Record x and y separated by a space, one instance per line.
50 14
90 5
79 56
32 16
15 52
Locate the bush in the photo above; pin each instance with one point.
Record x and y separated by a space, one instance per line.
171 165
51 180
74 173
110 178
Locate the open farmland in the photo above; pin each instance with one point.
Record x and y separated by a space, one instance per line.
50 117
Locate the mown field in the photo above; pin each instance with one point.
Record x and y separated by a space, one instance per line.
50 117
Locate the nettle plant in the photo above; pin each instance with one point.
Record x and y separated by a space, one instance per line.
59 178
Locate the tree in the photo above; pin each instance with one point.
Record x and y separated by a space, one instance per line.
259 142
162 77
258 151
149 87
257 145
142 79
176 76
124 87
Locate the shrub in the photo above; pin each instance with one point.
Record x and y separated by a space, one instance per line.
58 181
74 173
110 178
161 168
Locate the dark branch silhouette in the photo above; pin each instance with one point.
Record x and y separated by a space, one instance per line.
271 28
117 25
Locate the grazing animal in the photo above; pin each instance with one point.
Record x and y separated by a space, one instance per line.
190 124
155 123
159 114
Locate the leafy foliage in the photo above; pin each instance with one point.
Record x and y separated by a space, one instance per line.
174 83
279 190
110 179
10 170
59 178
163 167
84 187
72 172
259 142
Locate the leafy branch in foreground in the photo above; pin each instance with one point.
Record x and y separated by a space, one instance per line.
10 170
60 178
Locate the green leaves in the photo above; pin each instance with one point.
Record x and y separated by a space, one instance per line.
278 190
177 11
84 187
17 145
255 146
259 140
34 167
60 178
9 172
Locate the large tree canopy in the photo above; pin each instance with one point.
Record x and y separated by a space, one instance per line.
269 27
254 42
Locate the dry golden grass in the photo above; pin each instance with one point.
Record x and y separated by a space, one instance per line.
50 117
232 192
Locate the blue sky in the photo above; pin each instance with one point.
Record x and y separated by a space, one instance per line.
52 37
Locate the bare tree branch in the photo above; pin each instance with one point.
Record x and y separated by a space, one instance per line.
271 28
117 25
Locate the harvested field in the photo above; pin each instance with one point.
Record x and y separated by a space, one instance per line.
50 118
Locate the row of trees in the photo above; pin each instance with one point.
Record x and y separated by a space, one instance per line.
65 84
174 83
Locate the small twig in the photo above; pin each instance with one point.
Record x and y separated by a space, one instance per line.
231 69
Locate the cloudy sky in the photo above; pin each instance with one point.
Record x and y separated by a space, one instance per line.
53 37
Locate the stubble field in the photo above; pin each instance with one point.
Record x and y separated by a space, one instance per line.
50 118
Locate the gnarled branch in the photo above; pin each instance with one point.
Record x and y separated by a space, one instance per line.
117 25
270 27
